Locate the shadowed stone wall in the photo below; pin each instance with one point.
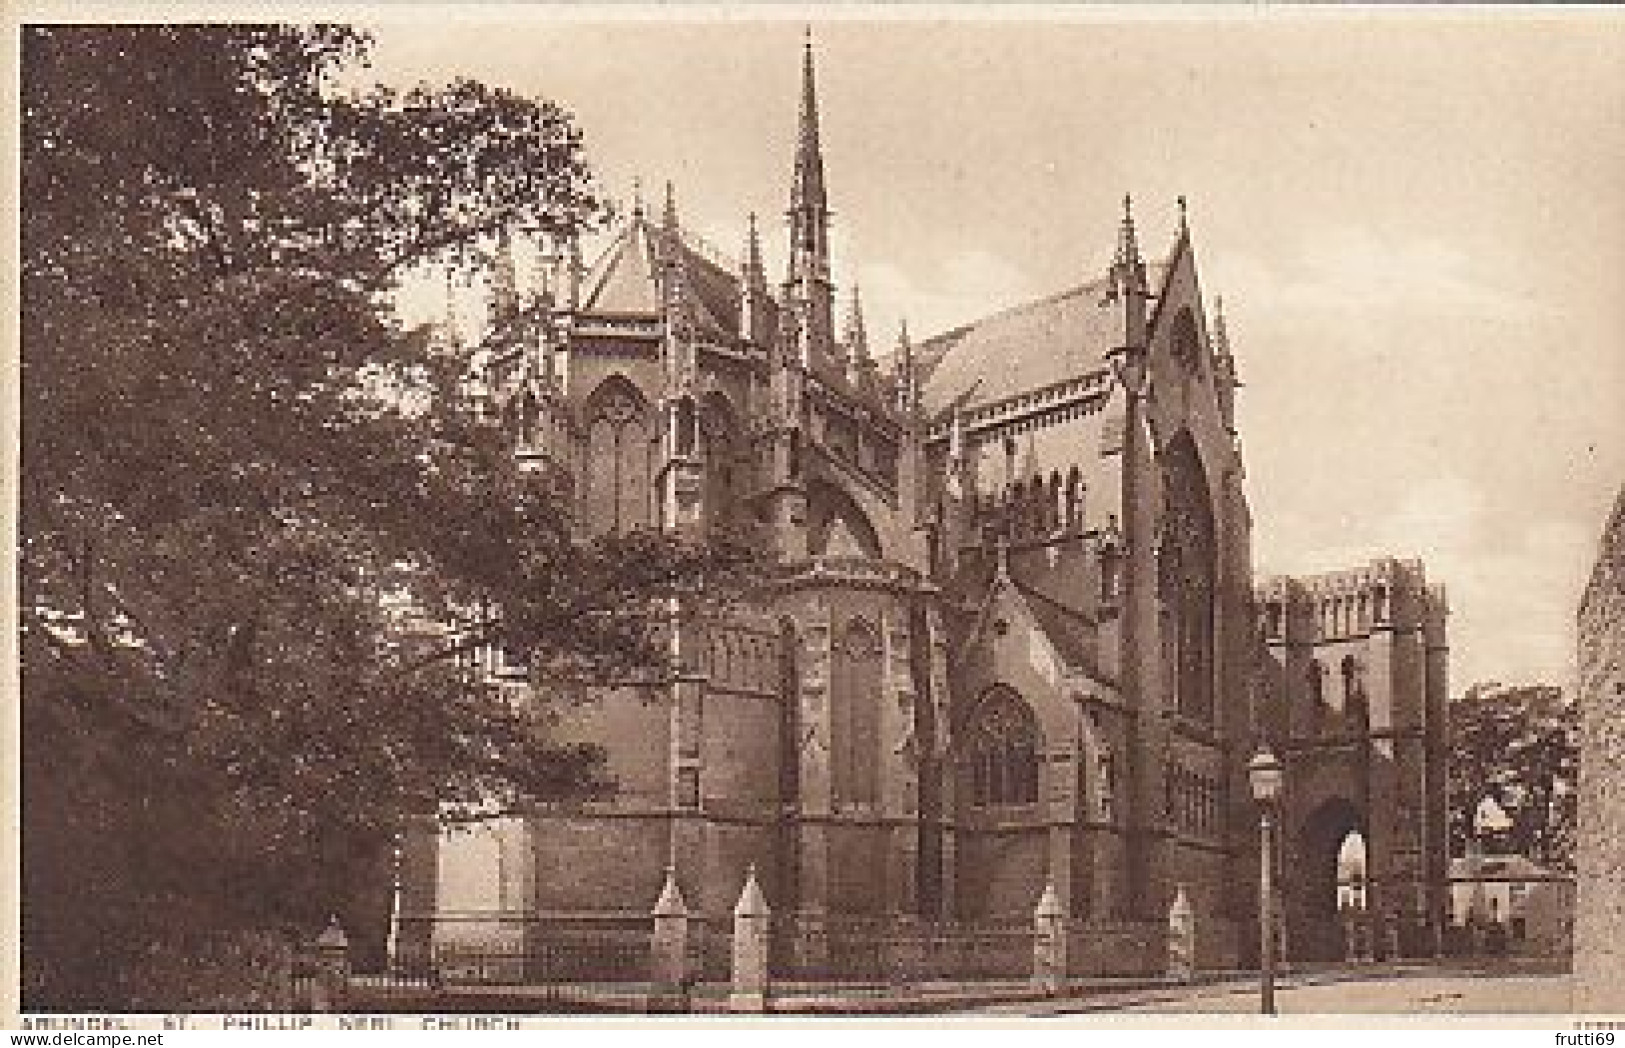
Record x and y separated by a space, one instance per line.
1599 933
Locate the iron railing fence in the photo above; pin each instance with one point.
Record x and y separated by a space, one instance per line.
497 950
1116 948
302 989
501 950
899 951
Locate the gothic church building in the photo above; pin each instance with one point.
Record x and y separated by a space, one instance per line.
1014 639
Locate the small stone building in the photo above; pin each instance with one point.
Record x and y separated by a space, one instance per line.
1509 904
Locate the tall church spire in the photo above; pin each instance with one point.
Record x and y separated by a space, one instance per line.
807 192
807 285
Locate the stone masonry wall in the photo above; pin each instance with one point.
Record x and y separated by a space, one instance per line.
1599 946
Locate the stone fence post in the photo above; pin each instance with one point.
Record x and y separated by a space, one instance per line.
330 980
751 925
668 949
1181 938
1049 942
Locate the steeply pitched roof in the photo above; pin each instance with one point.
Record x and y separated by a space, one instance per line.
625 281
716 290
1069 631
1025 348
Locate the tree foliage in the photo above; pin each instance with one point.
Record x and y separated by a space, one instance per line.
1517 747
260 531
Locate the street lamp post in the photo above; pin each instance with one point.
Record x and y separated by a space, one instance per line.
1264 774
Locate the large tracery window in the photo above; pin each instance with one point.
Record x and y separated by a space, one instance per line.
619 487
1000 746
720 448
1187 578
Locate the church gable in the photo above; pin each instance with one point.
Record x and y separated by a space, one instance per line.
1188 377
1017 632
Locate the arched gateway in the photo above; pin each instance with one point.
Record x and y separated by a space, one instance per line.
1356 705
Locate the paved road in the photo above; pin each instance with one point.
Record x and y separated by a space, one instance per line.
1420 994
1426 995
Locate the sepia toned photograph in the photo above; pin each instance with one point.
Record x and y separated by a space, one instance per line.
851 511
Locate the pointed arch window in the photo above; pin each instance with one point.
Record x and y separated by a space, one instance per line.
1188 578
725 461
617 481
1000 746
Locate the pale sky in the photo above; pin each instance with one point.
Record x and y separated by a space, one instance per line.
1416 220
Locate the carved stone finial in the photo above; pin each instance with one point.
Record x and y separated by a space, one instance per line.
671 903
752 903
1128 245
668 217
857 337
1049 903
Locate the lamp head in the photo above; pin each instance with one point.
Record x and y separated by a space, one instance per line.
1264 776
1129 365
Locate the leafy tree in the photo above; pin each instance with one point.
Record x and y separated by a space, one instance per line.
261 532
1516 746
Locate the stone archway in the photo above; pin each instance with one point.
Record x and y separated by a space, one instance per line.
1315 928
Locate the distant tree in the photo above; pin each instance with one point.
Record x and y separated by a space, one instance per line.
261 531
1518 747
